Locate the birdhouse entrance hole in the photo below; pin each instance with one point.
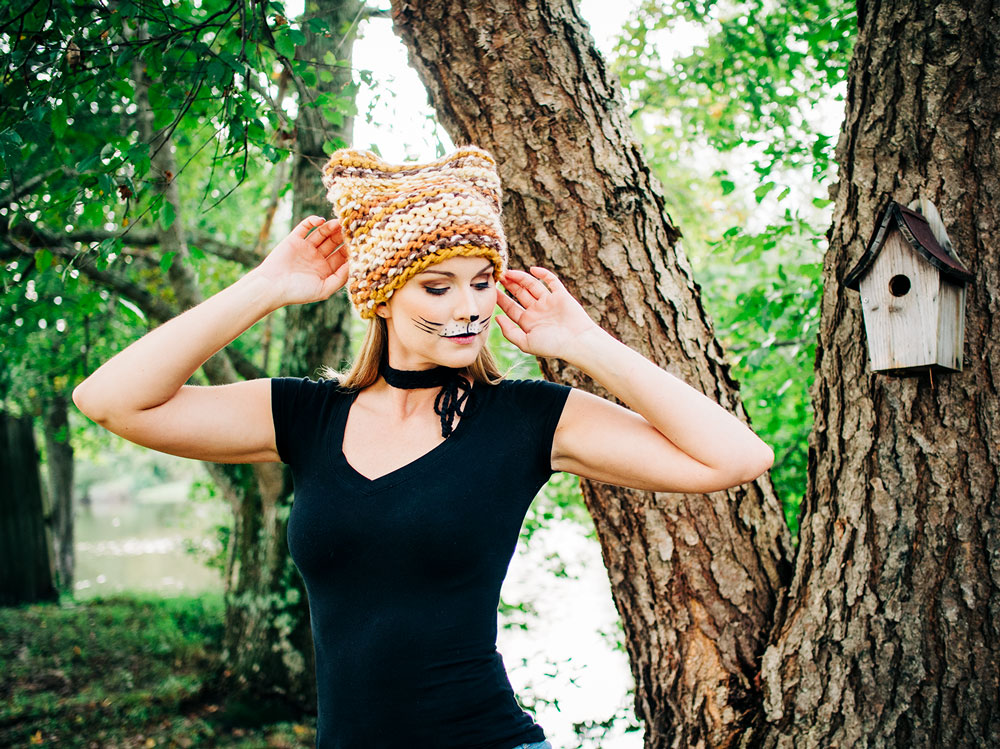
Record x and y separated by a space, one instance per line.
899 285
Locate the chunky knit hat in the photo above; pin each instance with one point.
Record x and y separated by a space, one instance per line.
400 219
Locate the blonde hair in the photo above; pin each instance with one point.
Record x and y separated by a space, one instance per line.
364 371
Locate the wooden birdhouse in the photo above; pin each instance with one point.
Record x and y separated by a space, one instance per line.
912 286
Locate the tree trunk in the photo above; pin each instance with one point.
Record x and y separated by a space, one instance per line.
26 573
696 579
59 465
316 334
891 637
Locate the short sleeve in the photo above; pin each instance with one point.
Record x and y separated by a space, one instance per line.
538 404
299 408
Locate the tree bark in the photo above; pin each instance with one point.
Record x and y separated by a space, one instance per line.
316 334
26 573
59 466
891 637
696 579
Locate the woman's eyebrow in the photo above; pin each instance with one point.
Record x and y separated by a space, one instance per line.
483 272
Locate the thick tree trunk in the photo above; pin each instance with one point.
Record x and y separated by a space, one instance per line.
26 573
59 465
891 637
696 579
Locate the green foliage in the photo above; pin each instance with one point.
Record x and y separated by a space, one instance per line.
111 665
764 291
78 190
755 81
733 129
123 671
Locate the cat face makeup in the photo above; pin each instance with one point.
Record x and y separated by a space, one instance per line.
452 329
437 318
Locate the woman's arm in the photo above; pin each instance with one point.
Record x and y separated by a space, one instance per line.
674 439
140 393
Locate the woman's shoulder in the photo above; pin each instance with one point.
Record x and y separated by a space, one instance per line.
306 390
530 394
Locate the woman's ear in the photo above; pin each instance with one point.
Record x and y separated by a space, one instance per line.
382 310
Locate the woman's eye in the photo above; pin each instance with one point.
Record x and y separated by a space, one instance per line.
435 290
481 286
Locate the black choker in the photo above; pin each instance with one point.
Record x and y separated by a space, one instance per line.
450 402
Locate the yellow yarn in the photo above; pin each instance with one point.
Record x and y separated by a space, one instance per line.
399 219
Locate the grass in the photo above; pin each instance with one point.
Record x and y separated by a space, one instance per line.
129 671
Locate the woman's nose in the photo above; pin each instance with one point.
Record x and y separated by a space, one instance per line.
467 308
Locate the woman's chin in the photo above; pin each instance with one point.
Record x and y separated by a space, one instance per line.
461 351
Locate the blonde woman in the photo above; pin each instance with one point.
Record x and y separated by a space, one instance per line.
414 470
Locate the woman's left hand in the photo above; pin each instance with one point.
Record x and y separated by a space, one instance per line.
543 319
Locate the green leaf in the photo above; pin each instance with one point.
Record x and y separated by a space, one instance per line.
727 186
332 145
761 192
284 46
196 253
317 25
43 260
821 202
167 214
140 316
166 261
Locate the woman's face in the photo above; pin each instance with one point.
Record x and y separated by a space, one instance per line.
441 316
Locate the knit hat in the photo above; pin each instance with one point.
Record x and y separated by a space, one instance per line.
400 219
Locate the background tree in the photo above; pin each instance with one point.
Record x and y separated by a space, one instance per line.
890 638
26 572
695 578
123 131
883 585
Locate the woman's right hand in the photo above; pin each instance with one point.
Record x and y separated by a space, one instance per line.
309 264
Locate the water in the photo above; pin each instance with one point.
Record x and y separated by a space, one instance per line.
139 541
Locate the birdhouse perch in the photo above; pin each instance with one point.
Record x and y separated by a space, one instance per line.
912 288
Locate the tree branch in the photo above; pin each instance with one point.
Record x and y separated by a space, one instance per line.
157 309
30 184
205 242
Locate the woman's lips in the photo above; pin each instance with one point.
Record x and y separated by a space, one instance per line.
462 339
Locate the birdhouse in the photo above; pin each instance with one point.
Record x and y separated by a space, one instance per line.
912 286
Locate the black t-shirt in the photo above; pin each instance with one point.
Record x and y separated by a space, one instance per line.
403 572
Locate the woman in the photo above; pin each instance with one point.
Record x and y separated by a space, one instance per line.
414 471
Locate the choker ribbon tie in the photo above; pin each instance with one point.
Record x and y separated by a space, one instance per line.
448 404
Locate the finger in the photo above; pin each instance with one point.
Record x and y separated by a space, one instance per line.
515 285
328 231
510 307
531 285
334 281
330 250
550 279
512 333
337 259
306 225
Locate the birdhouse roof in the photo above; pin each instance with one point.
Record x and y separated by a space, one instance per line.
917 232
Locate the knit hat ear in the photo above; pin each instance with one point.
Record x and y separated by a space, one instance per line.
398 219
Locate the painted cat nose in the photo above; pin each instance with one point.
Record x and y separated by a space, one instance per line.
473 318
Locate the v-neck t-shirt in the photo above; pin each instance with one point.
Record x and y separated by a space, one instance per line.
403 572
